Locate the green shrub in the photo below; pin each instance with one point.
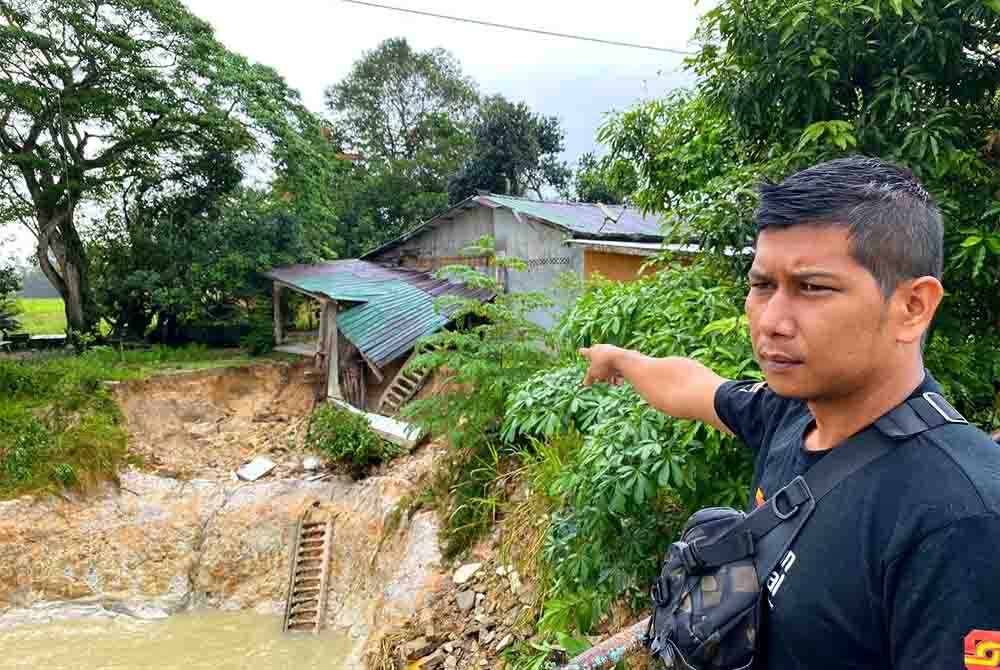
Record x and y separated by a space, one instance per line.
344 437
25 446
622 495
485 362
260 338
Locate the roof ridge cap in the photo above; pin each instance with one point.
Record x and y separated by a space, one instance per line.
624 207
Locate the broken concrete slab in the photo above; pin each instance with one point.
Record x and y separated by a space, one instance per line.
399 433
255 469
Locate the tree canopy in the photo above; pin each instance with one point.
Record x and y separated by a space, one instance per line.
514 151
396 102
103 97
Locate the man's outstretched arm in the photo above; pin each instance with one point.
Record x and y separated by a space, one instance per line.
680 387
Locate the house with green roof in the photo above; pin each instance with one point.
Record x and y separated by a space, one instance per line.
551 237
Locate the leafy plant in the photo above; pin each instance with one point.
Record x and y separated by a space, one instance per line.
10 283
617 500
495 349
345 437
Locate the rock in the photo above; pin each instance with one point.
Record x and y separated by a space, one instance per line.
451 663
416 648
486 636
501 571
465 573
515 583
449 647
466 600
480 597
504 643
311 463
431 661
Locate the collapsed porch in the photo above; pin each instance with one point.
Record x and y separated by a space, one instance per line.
371 317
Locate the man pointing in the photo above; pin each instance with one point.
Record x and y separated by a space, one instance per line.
901 561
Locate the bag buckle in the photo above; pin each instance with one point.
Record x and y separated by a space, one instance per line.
793 508
656 592
689 556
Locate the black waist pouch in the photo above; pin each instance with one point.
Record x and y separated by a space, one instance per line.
705 618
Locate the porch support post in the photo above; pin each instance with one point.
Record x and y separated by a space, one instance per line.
279 334
332 354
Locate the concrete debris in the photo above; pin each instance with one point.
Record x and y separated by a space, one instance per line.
255 469
465 573
465 600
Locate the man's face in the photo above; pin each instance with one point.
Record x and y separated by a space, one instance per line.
817 317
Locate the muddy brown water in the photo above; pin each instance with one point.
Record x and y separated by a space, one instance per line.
207 640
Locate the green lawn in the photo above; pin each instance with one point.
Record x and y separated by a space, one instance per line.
42 316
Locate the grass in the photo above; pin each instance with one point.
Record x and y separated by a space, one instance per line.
59 427
42 315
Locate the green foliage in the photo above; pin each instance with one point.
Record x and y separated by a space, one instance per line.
345 438
603 180
638 473
391 105
484 361
514 151
260 339
10 283
785 85
117 102
191 267
408 113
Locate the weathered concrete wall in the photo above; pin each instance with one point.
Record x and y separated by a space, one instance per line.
540 245
444 244
543 248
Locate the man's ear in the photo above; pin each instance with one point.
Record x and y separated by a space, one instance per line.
916 301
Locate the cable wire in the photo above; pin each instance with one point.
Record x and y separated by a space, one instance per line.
536 31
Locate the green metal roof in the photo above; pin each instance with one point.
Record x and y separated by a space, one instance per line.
394 307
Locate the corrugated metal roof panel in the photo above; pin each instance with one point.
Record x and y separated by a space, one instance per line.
396 304
585 218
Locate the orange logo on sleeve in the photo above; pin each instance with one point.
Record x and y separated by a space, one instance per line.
759 497
982 649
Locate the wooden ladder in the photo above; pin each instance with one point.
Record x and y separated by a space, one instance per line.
403 387
309 572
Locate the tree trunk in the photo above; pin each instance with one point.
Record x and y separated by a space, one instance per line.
58 237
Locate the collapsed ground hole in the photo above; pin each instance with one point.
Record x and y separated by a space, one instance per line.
206 424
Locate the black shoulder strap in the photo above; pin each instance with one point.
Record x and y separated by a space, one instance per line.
795 501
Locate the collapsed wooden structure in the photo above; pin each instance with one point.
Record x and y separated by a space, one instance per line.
371 316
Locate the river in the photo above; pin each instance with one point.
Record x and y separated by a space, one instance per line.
201 640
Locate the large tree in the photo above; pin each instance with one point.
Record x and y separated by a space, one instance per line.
397 103
98 96
515 151
407 114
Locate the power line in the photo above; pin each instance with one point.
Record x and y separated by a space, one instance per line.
521 28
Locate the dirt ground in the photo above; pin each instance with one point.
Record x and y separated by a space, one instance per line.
206 424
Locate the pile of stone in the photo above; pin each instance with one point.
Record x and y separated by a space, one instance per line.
483 611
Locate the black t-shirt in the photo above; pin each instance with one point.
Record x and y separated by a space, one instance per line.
897 565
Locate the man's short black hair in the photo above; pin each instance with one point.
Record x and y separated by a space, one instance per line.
894 226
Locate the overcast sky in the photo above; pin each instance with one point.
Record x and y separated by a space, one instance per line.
312 43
